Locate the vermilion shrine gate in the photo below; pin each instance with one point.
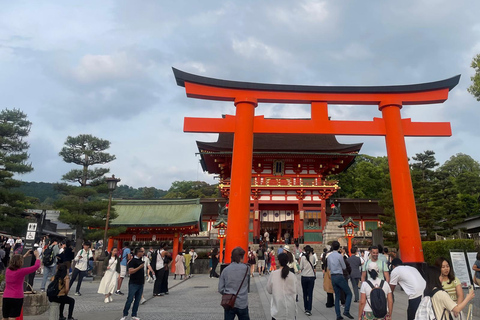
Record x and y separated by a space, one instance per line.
245 124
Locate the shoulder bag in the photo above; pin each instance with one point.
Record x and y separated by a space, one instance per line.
228 299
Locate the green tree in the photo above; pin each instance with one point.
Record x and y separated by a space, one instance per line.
459 198
474 89
365 179
192 190
423 180
81 206
14 128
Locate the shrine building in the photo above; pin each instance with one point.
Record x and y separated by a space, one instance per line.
290 187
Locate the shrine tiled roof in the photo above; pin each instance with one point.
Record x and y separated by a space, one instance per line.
157 213
277 143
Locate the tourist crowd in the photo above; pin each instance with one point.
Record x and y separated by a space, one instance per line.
62 267
373 275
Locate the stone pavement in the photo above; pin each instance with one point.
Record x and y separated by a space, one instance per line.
197 298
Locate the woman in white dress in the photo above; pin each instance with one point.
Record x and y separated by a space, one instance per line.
111 265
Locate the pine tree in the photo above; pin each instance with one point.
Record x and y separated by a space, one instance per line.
14 128
80 206
423 180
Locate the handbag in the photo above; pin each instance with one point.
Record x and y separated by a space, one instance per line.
228 299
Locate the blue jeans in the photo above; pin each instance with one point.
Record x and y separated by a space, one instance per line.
340 283
48 272
307 286
134 290
241 313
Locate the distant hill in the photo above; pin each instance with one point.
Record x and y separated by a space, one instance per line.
40 190
46 191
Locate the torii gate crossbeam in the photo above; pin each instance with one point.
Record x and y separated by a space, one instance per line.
245 124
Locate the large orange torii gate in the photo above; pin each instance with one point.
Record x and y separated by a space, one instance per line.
244 124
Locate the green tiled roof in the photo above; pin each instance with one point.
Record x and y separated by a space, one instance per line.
157 213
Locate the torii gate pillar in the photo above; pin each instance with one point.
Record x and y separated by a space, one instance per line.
408 229
241 179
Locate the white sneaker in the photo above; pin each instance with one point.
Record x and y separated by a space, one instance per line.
143 301
123 318
110 299
106 300
135 318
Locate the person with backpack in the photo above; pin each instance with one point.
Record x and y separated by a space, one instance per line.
261 260
58 292
49 262
251 261
81 265
438 299
412 283
14 277
376 299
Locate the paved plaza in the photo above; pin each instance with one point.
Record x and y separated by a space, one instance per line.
197 298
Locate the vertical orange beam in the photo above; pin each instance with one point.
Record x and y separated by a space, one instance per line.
324 214
408 229
175 251
110 244
296 225
239 208
301 219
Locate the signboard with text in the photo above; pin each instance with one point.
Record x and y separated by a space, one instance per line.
460 267
472 257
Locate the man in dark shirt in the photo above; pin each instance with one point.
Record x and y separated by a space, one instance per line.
135 286
355 275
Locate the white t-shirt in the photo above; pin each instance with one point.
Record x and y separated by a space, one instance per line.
367 289
159 265
410 279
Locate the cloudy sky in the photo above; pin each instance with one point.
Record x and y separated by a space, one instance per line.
104 68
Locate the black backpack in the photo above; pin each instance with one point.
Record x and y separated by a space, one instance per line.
48 256
378 301
53 290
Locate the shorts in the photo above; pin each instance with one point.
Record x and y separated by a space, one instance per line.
123 271
261 263
12 307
